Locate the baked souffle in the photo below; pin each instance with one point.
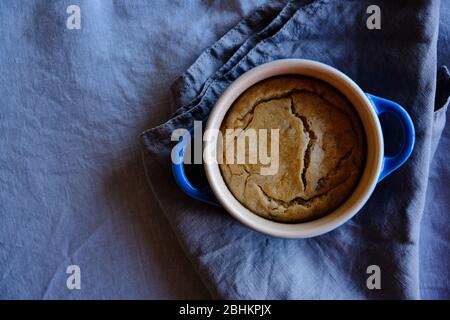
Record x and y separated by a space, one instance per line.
321 149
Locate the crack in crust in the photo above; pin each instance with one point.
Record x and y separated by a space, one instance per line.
248 117
305 202
322 181
249 114
311 142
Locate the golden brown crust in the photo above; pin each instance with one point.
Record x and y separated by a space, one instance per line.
321 150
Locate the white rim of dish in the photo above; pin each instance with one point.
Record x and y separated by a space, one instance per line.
374 142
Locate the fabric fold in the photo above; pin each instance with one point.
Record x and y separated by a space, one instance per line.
397 62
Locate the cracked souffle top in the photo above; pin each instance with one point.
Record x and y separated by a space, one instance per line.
321 150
